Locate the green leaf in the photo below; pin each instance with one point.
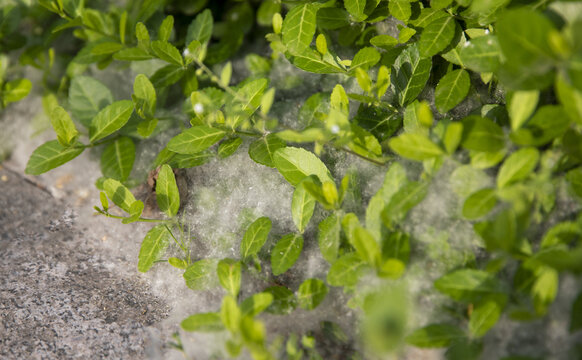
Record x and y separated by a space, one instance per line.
266 11
263 150
178 263
366 246
524 39
168 75
299 27
251 92
311 60
230 314
426 16
521 104
356 8
311 293
51 155
284 301
570 98
453 136
518 166
166 28
402 202
229 274
256 304
119 194
332 18
201 28
400 9
87 96
385 42
201 275
329 237
484 316
437 36
195 139
482 134
203 322
435 336
481 54
153 247
144 90
396 246
132 54
64 127
302 206
468 284
167 195
346 270
118 158
452 89
110 119
364 59
410 74
415 146
255 237
167 52
285 253
479 204
229 147
16 90
539 131
106 48
296 163
135 212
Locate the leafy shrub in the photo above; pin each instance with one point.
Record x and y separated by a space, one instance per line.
506 105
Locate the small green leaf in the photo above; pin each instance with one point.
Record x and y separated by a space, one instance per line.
410 74
400 9
201 28
518 166
64 127
482 134
302 206
195 139
576 314
87 96
437 36
321 44
311 293
135 212
104 201
229 274
229 147
284 301
167 194
356 8
144 90
346 270
299 27
51 155
226 74
167 52
311 60
266 11
484 316
203 322
479 204
263 150
468 284
329 237
16 90
256 304
481 54
178 263
153 247
168 75
402 202
267 101
296 163
415 146
132 54
364 59
110 119
118 158
201 275
119 194
452 89
166 28
366 246
332 18
435 336
521 104
255 237
285 253
385 42
538 130
230 314
453 136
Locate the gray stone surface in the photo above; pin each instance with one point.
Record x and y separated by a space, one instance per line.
59 299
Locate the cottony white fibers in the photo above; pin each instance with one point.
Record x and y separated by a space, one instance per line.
198 108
